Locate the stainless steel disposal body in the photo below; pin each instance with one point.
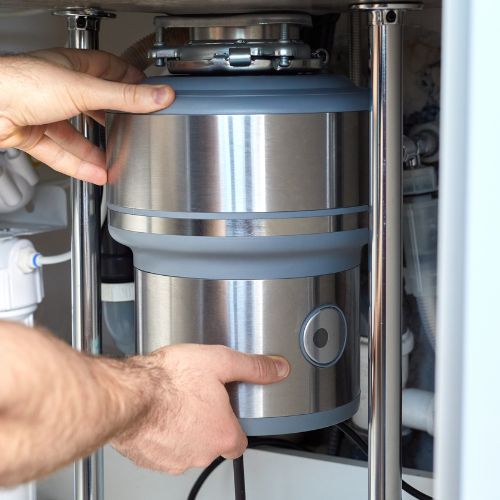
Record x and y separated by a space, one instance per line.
243 205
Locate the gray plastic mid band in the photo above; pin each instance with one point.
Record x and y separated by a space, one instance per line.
244 258
299 423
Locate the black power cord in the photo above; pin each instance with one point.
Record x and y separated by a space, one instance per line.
203 477
253 443
239 479
256 442
350 433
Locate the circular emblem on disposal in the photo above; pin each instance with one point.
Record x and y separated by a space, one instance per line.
323 336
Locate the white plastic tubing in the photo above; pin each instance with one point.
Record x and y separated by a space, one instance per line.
36 260
418 405
43 260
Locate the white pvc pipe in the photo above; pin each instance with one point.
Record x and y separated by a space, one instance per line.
407 344
20 163
418 410
10 194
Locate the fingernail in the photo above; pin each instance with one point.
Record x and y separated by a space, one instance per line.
161 95
282 366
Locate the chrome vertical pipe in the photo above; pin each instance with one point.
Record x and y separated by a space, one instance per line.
83 33
384 461
386 280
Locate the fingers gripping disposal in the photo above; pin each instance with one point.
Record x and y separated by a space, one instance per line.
242 205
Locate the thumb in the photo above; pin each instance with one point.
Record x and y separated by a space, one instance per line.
252 368
127 97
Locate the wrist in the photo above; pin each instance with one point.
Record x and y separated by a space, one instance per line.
123 397
131 385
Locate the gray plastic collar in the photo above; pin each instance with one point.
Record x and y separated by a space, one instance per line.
299 423
253 95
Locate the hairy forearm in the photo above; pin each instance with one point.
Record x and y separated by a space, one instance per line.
167 411
57 405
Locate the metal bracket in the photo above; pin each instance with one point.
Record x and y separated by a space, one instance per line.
84 19
238 20
239 56
240 50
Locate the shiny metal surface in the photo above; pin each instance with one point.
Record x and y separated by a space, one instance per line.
217 66
239 56
240 43
83 29
235 21
239 163
384 461
196 6
236 227
381 9
256 32
257 316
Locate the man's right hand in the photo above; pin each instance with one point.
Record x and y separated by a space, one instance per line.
189 421
166 411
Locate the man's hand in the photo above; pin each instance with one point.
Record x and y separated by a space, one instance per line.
166 411
190 421
41 90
